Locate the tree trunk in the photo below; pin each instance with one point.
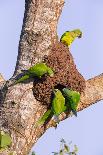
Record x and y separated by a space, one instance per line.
19 110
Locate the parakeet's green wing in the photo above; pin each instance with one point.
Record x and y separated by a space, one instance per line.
74 95
64 35
66 38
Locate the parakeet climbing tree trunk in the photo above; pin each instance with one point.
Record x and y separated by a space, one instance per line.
19 110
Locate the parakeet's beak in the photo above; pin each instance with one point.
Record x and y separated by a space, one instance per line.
80 36
74 112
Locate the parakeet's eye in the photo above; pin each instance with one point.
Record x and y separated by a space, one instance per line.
55 91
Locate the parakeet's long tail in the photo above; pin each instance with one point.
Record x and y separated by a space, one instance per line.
44 118
22 79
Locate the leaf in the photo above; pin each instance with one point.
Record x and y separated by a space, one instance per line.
67 149
5 140
61 152
63 141
44 117
75 149
33 153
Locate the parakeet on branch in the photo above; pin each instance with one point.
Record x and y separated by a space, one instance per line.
57 107
72 99
37 70
61 102
69 36
58 103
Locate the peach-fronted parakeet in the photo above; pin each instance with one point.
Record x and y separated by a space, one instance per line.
69 36
58 103
72 99
57 107
37 70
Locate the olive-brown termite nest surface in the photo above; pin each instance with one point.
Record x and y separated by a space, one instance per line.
65 74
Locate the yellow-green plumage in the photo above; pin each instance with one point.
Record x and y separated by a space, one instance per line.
38 70
58 106
58 103
69 36
5 140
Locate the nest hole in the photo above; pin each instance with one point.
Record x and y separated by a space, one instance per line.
59 86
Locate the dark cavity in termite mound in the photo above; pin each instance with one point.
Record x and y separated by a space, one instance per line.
66 74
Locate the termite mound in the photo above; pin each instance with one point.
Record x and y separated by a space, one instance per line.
65 74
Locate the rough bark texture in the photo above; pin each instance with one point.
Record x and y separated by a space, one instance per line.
38 32
19 110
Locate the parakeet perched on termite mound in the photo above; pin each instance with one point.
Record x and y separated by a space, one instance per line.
65 74
69 36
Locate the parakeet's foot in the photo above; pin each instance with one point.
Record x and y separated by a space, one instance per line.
56 119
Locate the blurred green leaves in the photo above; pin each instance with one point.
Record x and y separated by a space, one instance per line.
5 140
65 149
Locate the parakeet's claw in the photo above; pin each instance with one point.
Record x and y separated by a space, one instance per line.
56 119
54 124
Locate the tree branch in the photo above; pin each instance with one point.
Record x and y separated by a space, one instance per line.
1 78
20 110
39 31
93 92
28 134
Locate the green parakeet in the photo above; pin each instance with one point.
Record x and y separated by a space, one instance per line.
69 36
37 70
58 103
72 99
57 107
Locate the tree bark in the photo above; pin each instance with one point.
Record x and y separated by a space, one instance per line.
18 108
